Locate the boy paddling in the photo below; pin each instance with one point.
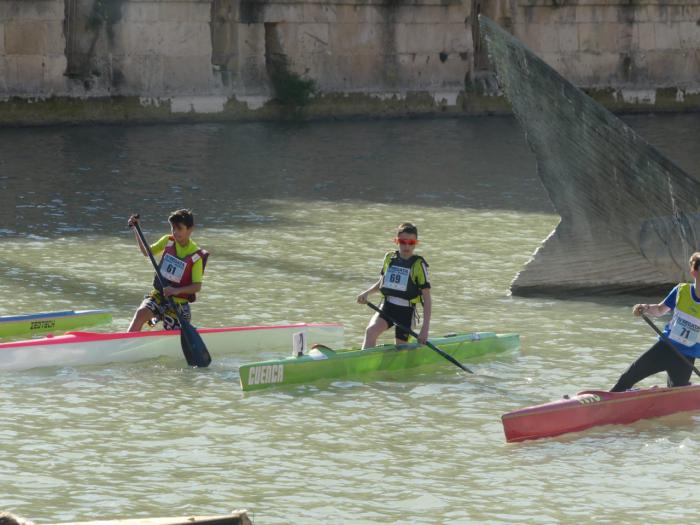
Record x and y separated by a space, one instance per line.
683 331
181 269
404 283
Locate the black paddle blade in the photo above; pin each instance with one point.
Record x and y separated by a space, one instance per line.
193 346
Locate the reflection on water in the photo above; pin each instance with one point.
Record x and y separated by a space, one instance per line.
65 181
297 218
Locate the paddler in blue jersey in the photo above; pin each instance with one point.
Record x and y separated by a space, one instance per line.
683 330
181 269
404 283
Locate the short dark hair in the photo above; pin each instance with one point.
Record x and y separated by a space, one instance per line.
407 227
183 216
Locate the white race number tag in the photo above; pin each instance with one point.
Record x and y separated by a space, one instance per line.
685 329
396 278
172 268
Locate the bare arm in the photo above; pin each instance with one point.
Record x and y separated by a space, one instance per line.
133 220
362 298
656 310
189 289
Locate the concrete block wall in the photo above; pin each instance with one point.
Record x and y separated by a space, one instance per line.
32 44
208 52
348 46
165 47
146 48
615 43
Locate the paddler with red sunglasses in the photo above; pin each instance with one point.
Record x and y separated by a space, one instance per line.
403 283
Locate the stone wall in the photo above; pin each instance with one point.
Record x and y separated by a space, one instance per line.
32 48
636 47
363 56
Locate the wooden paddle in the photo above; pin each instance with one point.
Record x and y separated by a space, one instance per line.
427 343
193 346
669 344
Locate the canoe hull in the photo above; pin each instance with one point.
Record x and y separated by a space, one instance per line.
92 348
359 363
41 323
593 408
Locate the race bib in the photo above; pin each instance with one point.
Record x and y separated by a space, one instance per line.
685 329
172 268
396 278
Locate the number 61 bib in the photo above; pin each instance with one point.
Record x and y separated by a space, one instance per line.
172 268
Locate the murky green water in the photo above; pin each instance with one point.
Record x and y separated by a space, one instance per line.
297 219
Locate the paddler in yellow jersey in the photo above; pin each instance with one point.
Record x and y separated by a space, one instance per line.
404 283
683 330
181 269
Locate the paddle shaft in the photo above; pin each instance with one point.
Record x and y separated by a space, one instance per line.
666 340
427 343
193 346
169 300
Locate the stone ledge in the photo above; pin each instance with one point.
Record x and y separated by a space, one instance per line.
607 3
25 111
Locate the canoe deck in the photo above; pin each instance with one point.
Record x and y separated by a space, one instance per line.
95 348
592 408
328 364
46 322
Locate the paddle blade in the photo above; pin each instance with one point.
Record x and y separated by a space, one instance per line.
193 346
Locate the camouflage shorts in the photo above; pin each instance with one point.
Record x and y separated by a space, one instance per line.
162 312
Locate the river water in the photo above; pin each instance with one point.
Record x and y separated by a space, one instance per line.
298 217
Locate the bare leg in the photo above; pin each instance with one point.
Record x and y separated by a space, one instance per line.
141 317
376 326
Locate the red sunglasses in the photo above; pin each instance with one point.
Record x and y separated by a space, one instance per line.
409 242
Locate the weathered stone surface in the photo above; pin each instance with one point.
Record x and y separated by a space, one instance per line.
34 10
26 38
192 12
191 70
54 80
630 218
22 71
343 45
144 74
141 12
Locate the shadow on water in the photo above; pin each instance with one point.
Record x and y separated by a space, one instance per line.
76 180
291 267
90 178
65 282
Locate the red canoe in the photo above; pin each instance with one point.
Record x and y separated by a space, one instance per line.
592 408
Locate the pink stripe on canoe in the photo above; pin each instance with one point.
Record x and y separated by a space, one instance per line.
88 337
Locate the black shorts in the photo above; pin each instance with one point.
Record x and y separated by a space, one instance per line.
402 315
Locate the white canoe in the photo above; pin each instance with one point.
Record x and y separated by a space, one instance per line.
94 348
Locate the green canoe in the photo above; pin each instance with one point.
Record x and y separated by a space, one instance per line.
323 363
30 324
